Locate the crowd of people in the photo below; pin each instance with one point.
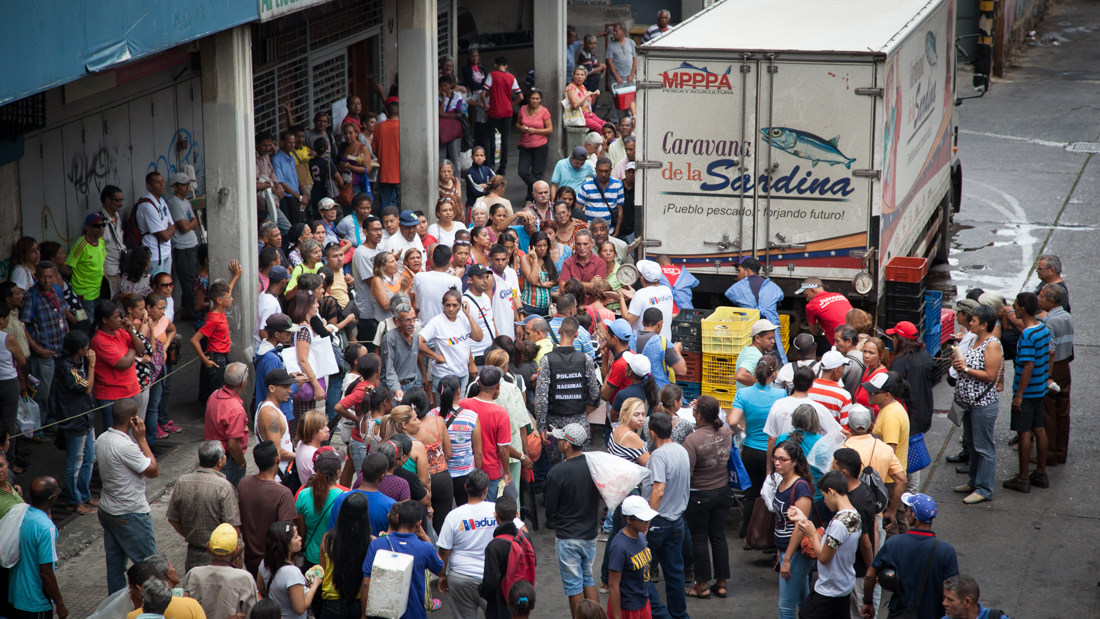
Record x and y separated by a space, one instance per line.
460 364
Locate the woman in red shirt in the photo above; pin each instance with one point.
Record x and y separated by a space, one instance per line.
115 341
535 125
874 359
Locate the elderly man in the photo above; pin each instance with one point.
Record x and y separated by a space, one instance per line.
572 172
1049 270
222 588
32 585
601 197
620 150
406 239
43 315
847 340
622 62
201 501
226 420
660 28
584 264
1056 403
400 351
124 462
272 236
537 330
541 206
602 233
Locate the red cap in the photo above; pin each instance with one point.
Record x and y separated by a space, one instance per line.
391 100
905 329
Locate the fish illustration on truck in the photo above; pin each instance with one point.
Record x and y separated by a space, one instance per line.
806 145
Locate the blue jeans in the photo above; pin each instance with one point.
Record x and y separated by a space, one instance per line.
105 417
389 194
152 412
978 425
793 590
42 369
666 540
333 394
89 308
233 472
536 311
79 456
125 536
576 557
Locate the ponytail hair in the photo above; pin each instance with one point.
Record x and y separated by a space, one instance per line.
708 409
671 398
901 390
448 387
765 368
521 598
652 396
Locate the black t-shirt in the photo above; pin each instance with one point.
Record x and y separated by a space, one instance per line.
627 226
631 557
320 170
416 489
572 497
864 505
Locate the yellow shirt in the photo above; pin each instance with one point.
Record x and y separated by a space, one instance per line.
301 166
877 455
892 426
339 289
545 346
178 608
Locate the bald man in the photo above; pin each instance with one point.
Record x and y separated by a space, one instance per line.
32 581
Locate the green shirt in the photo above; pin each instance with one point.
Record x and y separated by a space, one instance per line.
748 358
8 500
86 261
316 522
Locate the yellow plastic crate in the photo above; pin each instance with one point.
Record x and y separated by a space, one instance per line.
719 370
785 331
723 393
728 330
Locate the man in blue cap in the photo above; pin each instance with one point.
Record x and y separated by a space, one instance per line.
85 264
406 239
572 172
921 561
619 333
753 291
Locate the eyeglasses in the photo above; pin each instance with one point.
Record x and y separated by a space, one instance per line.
97 225
167 284
780 460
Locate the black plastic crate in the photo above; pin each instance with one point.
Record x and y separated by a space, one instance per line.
905 289
915 316
905 303
689 344
687 325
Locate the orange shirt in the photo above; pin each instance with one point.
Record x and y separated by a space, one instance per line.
387 149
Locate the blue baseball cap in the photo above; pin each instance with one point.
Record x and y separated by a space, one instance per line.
277 274
620 327
923 506
408 218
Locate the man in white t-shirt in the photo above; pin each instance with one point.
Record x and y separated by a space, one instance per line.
505 292
480 306
465 535
651 294
805 349
779 417
407 238
835 549
362 269
429 285
155 223
268 301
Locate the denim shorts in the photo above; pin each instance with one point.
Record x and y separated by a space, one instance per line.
1029 416
576 557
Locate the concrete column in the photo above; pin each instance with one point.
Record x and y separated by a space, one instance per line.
691 7
231 173
416 66
549 22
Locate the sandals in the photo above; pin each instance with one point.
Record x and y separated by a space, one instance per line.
82 509
692 592
720 591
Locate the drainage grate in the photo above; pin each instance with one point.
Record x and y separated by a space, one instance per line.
1083 147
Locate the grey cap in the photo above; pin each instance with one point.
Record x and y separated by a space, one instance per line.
859 418
579 152
574 433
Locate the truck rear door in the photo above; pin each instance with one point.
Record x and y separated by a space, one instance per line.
814 151
698 132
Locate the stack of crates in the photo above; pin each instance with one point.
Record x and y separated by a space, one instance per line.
905 292
687 329
724 334
933 321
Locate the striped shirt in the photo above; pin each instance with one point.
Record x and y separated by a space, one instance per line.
655 32
598 202
1034 346
833 397
1060 324
583 341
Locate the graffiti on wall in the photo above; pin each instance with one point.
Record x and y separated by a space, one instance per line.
88 174
182 142
1020 17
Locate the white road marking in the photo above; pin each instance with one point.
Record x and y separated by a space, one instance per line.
1020 230
1014 137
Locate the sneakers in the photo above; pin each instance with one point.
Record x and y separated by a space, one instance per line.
1017 484
1039 480
973 498
959 458
964 488
161 433
171 427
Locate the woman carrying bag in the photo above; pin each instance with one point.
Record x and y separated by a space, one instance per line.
978 360
451 108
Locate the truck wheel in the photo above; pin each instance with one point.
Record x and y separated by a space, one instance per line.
944 249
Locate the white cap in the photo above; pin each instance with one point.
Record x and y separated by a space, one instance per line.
833 359
639 364
325 204
179 178
762 326
639 508
649 270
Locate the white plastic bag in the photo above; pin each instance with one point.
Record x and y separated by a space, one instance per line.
466 159
820 456
615 478
115 606
27 417
767 492
10 525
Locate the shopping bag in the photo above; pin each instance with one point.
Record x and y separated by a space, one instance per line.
760 534
739 476
820 455
571 116
919 458
767 492
615 478
10 525
115 606
27 416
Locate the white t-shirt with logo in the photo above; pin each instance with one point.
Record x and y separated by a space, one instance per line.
466 532
452 340
154 218
779 417
429 287
505 294
653 296
481 309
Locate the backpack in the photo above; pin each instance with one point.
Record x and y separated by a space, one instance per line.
521 562
871 479
131 233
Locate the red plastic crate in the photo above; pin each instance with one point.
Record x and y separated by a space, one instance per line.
694 361
906 269
947 324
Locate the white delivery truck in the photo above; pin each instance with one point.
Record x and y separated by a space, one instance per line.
815 135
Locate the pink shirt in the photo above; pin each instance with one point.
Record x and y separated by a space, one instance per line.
538 121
